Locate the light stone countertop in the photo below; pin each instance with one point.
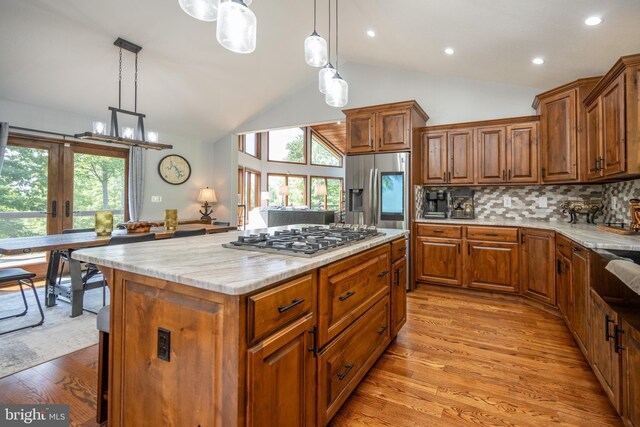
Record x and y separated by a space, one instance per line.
586 235
201 261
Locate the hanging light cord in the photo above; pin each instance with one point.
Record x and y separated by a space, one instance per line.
135 97
120 81
329 50
336 35
314 16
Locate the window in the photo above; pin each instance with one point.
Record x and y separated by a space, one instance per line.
250 144
297 189
252 188
287 145
333 200
323 153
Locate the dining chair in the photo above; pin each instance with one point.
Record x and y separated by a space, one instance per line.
223 223
22 277
189 233
64 255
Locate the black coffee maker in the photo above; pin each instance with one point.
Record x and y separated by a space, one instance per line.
435 204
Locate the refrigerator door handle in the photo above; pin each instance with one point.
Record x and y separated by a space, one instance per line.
376 206
371 195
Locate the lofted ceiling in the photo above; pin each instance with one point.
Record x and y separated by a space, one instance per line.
59 54
335 133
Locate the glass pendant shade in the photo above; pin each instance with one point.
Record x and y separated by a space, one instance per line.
324 77
236 28
337 92
315 50
204 10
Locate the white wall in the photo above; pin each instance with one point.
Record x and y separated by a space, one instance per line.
181 197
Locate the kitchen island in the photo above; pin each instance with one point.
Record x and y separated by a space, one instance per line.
206 335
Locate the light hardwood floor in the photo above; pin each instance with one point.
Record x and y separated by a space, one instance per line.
461 360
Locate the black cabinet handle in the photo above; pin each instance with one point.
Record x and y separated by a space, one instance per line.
468 249
607 320
384 273
382 329
54 209
458 247
438 231
444 177
559 266
402 249
67 208
346 371
314 332
347 295
449 176
616 339
397 278
379 142
294 302
509 174
491 234
543 170
504 175
371 144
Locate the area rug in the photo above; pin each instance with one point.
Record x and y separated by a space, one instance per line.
57 336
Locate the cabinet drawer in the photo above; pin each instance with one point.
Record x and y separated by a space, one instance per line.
398 249
492 234
269 310
437 230
346 360
563 245
348 288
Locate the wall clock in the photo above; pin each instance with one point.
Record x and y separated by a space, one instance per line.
174 169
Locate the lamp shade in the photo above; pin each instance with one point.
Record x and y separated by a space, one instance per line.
204 10
320 190
236 28
337 92
264 195
283 191
315 50
325 75
207 195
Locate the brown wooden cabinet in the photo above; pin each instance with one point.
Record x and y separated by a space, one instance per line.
488 152
537 265
398 295
281 378
491 266
605 355
562 118
383 128
594 141
631 373
580 297
564 293
439 260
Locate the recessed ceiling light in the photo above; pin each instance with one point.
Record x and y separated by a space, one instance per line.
593 20
538 61
449 51
371 33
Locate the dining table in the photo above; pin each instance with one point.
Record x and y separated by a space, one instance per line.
60 245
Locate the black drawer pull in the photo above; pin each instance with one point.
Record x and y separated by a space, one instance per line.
346 371
347 295
607 320
402 249
491 234
384 273
438 231
294 302
616 339
382 329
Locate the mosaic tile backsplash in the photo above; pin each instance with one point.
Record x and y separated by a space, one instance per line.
489 201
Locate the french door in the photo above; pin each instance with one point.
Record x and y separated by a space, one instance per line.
47 186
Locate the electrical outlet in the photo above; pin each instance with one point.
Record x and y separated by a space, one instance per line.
542 202
507 201
156 199
164 344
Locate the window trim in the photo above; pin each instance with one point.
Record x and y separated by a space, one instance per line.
329 146
326 197
304 151
256 191
242 145
286 182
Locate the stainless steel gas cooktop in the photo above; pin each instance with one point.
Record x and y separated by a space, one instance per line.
305 241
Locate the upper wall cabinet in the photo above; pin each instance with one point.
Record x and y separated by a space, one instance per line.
383 128
489 152
562 128
613 123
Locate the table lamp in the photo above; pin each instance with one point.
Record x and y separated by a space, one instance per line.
264 195
205 196
320 190
284 192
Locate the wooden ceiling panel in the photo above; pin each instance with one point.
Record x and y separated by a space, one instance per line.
335 133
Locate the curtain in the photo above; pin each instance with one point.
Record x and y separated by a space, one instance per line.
4 136
136 181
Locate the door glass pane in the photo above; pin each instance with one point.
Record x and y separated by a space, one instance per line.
334 194
274 183
297 190
23 196
316 200
98 184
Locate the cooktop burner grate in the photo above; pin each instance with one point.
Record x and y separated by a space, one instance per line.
305 241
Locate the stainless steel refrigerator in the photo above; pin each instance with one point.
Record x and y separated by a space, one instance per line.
378 191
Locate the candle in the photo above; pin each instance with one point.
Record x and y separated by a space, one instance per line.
170 219
104 223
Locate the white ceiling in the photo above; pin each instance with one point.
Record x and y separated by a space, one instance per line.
59 54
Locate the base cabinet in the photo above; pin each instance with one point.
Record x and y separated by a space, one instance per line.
580 296
439 261
281 380
564 292
605 353
398 295
537 255
631 374
492 266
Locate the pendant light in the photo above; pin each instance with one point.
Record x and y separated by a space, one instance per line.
204 10
315 47
236 28
338 89
327 72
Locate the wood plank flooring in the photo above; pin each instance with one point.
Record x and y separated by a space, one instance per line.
461 360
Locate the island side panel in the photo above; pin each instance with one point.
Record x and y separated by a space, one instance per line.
194 385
